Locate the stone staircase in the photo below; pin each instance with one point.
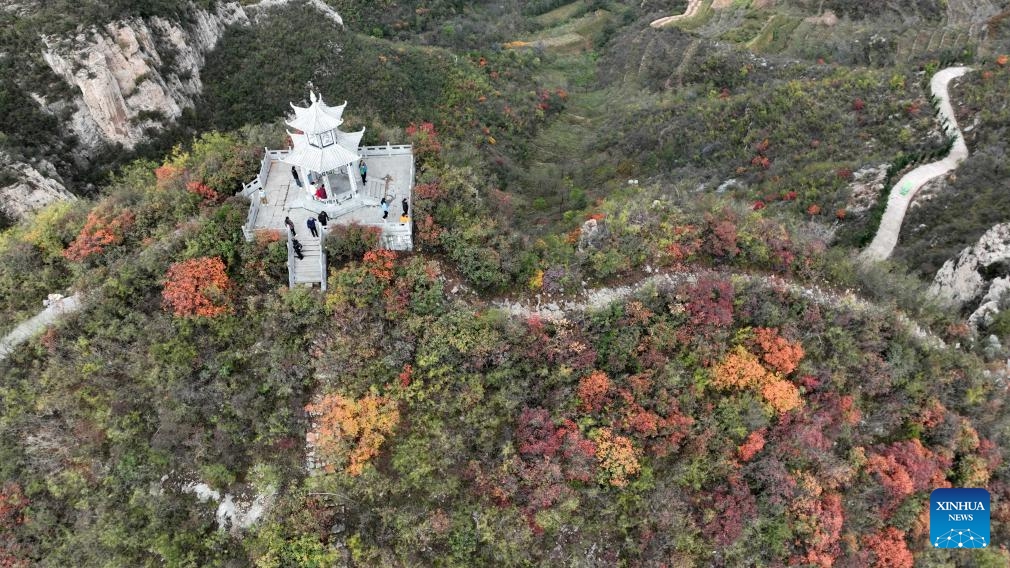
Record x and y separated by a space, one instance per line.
308 270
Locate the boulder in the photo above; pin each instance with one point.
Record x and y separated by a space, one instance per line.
976 273
592 234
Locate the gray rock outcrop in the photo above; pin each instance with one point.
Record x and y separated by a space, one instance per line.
32 189
975 274
137 73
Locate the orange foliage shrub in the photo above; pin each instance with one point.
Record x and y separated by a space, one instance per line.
889 548
783 396
99 231
593 390
351 431
166 173
754 443
740 369
265 237
779 354
380 263
197 287
818 520
617 458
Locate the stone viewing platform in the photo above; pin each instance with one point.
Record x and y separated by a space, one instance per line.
327 161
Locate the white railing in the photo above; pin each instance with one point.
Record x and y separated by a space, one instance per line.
322 259
250 190
291 258
387 150
265 167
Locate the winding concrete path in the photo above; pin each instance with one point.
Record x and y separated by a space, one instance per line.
30 327
598 298
901 195
692 8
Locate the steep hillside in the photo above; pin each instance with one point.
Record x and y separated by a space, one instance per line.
635 328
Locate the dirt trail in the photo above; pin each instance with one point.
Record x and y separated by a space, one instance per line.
598 298
692 8
30 327
901 195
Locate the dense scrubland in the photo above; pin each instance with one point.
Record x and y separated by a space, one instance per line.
774 403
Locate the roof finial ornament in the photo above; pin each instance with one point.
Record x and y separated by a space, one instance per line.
312 95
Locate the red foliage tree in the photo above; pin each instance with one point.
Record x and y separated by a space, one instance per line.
433 191
904 468
380 263
203 190
687 243
721 238
710 303
538 436
733 506
754 443
198 287
12 506
817 517
888 549
424 137
100 231
428 231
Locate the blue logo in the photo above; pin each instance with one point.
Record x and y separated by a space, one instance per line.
959 518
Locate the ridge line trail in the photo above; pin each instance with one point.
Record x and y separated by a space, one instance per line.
902 192
598 298
692 8
33 325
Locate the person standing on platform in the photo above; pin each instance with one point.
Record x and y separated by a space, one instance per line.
405 207
294 174
363 169
291 225
323 219
311 224
263 195
385 208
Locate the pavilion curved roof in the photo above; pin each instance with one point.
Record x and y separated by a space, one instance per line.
322 160
350 139
317 117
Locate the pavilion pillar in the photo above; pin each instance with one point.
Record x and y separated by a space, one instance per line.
326 184
350 177
303 174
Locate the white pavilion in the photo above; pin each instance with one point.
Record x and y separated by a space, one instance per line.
323 154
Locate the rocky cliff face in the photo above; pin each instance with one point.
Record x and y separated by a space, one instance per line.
31 189
136 74
978 275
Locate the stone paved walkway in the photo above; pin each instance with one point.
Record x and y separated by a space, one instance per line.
901 195
31 327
